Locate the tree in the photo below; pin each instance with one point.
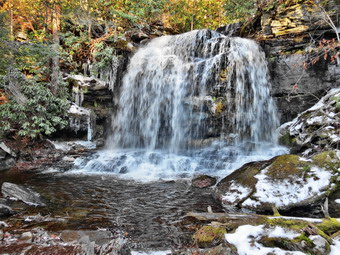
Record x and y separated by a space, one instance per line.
56 13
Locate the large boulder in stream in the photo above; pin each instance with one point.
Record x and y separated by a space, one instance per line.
18 192
284 182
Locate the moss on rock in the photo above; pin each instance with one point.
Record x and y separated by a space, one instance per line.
209 236
287 223
329 226
327 159
287 140
285 166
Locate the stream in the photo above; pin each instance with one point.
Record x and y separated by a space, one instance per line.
150 214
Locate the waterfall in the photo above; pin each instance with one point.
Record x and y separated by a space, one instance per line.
163 102
195 103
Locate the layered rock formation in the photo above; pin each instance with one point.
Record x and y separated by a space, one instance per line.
302 72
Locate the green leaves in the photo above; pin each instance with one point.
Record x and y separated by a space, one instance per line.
43 113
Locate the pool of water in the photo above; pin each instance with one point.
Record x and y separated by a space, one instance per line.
149 213
145 194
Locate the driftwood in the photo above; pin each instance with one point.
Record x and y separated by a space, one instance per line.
324 209
250 218
226 218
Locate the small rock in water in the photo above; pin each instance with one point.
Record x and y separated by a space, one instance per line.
123 170
26 237
5 210
69 159
21 193
203 181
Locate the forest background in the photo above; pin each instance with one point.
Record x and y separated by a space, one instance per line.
42 39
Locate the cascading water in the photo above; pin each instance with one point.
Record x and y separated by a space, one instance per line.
198 86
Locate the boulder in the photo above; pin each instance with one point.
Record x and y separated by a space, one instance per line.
5 210
316 129
284 182
139 36
81 120
203 181
209 236
18 192
7 157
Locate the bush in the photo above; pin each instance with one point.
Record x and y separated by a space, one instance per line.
40 113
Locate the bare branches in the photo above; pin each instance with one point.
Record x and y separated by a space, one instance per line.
327 18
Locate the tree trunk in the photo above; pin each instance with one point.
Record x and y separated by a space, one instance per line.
56 12
11 29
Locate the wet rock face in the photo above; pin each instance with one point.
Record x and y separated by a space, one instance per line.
296 89
290 36
284 182
21 193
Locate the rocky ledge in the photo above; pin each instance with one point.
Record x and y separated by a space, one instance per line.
316 129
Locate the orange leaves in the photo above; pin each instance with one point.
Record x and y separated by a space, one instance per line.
3 97
327 50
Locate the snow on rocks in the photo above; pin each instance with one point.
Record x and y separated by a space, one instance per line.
239 192
284 182
335 248
316 128
286 192
247 240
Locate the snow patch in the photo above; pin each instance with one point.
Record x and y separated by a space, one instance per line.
305 159
285 192
335 248
77 110
335 138
246 239
318 120
3 224
236 192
